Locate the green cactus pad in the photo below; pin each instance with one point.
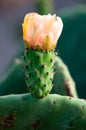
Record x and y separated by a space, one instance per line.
54 112
39 71
13 81
63 81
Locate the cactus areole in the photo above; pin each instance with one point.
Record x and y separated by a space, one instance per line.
40 34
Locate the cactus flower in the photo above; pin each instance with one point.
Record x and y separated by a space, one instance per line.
41 31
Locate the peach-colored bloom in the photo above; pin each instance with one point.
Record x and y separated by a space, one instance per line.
41 31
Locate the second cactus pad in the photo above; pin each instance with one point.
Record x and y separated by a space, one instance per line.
39 71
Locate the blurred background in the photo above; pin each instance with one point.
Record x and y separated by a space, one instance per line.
72 43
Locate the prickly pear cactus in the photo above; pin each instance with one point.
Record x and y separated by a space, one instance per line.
53 112
39 71
39 56
10 83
